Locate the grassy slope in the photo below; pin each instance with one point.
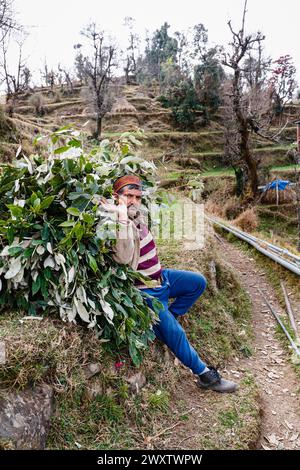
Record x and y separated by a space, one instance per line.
102 413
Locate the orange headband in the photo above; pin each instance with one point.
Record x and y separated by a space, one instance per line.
125 180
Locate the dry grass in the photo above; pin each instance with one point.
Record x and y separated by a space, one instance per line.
44 351
219 190
282 197
247 220
214 208
122 105
232 208
37 101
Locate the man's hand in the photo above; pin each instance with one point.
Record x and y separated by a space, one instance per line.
120 209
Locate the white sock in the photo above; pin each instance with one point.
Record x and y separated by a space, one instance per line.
205 370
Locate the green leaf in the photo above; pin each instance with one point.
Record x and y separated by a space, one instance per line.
135 354
61 150
45 233
127 301
92 263
16 211
36 285
32 309
157 305
47 201
125 150
88 168
88 218
28 252
122 313
68 223
74 143
74 211
44 287
79 231
37 242
10 235
37 203
73 196
47 273
15 250
54 139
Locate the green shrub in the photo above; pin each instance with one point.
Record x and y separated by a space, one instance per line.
56 240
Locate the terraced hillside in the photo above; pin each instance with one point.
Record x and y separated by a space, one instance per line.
136 108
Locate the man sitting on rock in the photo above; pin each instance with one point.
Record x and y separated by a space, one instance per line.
135 246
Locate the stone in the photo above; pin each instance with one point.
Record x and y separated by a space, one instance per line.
136 382
91 369
25 417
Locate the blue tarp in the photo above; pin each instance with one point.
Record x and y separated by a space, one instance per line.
277 184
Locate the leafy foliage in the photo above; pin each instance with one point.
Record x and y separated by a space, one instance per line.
209 76
159 50
183 100
282 82
57 241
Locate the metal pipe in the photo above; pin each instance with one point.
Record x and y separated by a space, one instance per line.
294 346
278 259
258 240
290 311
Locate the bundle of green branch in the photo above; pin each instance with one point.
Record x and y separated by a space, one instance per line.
56 240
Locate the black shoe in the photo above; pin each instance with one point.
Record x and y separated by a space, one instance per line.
212 380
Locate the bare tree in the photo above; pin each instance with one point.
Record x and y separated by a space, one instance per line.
98 68
282 82
7 26
298 204
232 155
7 22
68 79
49 77
243 45
130 68
20 80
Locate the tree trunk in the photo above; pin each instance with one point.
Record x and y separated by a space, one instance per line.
244 134
298 209
97 133
240 181
249 160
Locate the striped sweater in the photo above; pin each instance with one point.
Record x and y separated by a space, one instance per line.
149 264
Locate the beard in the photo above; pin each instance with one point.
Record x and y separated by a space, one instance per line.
139 215
133 212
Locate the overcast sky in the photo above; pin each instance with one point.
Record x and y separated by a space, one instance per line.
54 25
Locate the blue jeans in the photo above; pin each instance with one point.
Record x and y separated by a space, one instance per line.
186 287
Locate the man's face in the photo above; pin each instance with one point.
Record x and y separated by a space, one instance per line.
131 197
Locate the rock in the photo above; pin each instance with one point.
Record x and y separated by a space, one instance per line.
136 382
25 417
91 369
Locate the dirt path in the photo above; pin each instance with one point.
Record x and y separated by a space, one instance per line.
270 364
